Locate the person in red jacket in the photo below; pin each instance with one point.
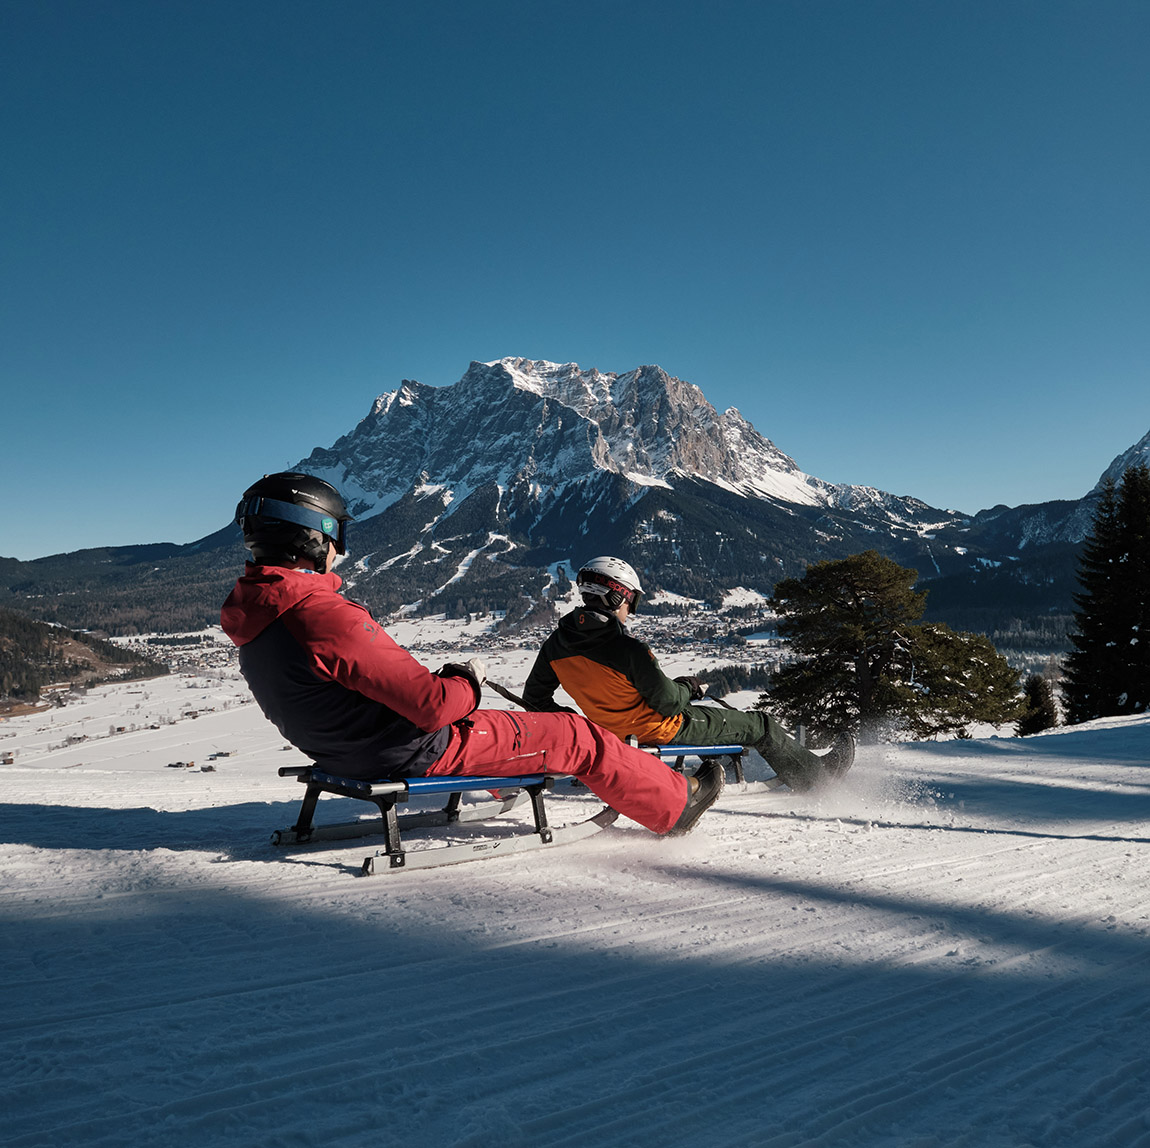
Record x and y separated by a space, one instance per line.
340 689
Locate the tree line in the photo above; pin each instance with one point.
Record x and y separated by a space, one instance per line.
863 659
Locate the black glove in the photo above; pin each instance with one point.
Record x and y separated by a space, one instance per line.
697 688
474 670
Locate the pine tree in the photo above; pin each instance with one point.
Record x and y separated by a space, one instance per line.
1041 709
1134 513
1108 671
959 678
866 663
849 620
1092 684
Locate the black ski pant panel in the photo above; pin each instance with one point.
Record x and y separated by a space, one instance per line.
717 725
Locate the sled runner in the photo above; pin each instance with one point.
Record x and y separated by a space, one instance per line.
386 793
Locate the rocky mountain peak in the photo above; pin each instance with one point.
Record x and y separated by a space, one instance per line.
1137 455
539 427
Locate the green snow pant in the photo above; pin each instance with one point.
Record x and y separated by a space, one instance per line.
717 725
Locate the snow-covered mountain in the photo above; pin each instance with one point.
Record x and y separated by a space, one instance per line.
487 493
1137 455
545 424
532 463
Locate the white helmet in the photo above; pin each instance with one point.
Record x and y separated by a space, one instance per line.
610 580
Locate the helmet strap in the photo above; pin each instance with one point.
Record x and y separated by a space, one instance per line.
259 507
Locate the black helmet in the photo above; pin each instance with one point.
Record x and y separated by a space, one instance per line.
289 516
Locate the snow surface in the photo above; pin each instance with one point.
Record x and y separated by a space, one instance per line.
741 596
949 950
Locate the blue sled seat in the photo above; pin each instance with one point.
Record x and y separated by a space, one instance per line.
385 793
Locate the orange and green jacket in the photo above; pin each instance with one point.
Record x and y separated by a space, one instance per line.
613 677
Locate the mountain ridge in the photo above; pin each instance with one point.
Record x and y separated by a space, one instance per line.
630 424
486 494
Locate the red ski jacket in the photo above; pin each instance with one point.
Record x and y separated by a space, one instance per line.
333 683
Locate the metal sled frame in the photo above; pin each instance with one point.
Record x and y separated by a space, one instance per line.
676 755
730 755
383 794
386 793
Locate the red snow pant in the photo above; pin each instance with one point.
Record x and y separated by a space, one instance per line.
504 744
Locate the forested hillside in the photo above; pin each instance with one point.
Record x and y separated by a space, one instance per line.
34 655
128 590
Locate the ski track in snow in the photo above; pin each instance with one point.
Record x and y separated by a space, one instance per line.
949 950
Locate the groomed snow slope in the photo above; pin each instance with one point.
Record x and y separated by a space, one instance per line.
950 950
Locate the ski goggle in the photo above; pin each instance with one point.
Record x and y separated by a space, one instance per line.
594 579
328 525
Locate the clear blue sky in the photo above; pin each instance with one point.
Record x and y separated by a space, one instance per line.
909 239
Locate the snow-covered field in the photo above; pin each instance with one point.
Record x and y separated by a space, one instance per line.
951 949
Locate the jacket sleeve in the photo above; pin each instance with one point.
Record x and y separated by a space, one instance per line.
347 646
542 682
663 695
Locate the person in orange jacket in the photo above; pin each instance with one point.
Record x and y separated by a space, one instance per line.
616 681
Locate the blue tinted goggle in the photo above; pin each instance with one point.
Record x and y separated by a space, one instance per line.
328 525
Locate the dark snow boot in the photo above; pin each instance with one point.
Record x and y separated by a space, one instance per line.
798 780
711 778
840 757
814 771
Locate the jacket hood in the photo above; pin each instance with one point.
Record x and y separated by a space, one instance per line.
266 592
585 628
